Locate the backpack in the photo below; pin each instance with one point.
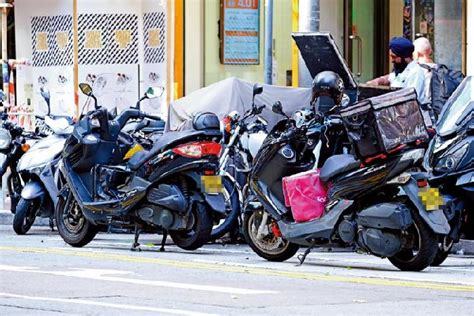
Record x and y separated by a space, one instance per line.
443 83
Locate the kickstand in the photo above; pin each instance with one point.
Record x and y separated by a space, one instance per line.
302 257
136 244
51 224
163 241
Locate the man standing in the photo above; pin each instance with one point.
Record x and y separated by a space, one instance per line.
406 71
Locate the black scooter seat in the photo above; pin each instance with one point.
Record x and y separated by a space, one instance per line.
169 140
337 165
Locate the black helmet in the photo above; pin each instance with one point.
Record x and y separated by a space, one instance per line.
328 83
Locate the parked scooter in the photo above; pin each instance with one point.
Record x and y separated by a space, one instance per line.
38 170
173 188
13 145
366 207
243 139
449 162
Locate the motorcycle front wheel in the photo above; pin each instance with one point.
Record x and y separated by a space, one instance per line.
444 248
25 215
422 247
259 235
72 226
198 229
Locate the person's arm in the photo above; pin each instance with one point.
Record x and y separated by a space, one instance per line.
380 81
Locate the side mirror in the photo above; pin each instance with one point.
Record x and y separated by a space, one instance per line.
85 88
154 92
278 108
257 89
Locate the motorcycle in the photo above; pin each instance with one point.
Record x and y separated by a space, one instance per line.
448 183
172 188
37 168
13 144
242 140
370 205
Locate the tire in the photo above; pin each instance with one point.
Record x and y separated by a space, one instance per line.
198 232
425 242
14 190
25 215
72 226
444 248
269 247
232 211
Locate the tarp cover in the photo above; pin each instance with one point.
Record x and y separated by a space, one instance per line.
235 94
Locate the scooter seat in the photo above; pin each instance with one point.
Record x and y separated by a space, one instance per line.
169 140
336 165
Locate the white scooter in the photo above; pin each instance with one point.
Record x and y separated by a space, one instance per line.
38 170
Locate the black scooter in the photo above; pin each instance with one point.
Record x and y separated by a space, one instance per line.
371 206
172 188
448 183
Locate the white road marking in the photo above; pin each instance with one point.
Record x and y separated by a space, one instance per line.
103 304
104 275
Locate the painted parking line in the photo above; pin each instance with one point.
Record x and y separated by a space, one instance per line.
248 270
173 311
110 276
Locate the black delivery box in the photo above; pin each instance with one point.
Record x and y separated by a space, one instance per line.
380 124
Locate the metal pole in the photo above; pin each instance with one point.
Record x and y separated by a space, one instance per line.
268 41
308 22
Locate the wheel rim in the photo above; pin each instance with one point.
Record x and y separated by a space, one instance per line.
409 255
446 244
30 216
73 218
267 242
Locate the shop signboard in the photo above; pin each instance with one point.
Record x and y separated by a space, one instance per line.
239 32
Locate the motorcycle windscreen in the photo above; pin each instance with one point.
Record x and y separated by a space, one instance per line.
457 112
320 53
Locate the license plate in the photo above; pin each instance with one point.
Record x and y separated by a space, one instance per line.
211 184
431 198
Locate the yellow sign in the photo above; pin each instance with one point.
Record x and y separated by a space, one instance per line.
61 40
41 41
93 39
154 38
122 38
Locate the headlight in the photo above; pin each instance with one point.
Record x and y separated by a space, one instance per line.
449 162
5 138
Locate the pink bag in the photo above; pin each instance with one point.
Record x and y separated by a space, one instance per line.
306 194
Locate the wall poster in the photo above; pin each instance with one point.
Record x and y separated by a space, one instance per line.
239 32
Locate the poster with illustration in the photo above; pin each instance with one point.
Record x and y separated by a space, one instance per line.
114 87
154 67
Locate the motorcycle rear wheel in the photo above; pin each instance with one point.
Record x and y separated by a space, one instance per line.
269 246
232 211
73 227
444 248
25 215
424 250
198 232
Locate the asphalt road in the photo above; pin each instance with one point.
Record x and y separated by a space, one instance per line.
41 275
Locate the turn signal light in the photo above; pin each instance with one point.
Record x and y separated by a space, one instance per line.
227 124
25 147
198 149
422 183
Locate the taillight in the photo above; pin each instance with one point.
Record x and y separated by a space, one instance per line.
422 183
198 149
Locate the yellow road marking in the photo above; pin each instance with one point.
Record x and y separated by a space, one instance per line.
248 270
